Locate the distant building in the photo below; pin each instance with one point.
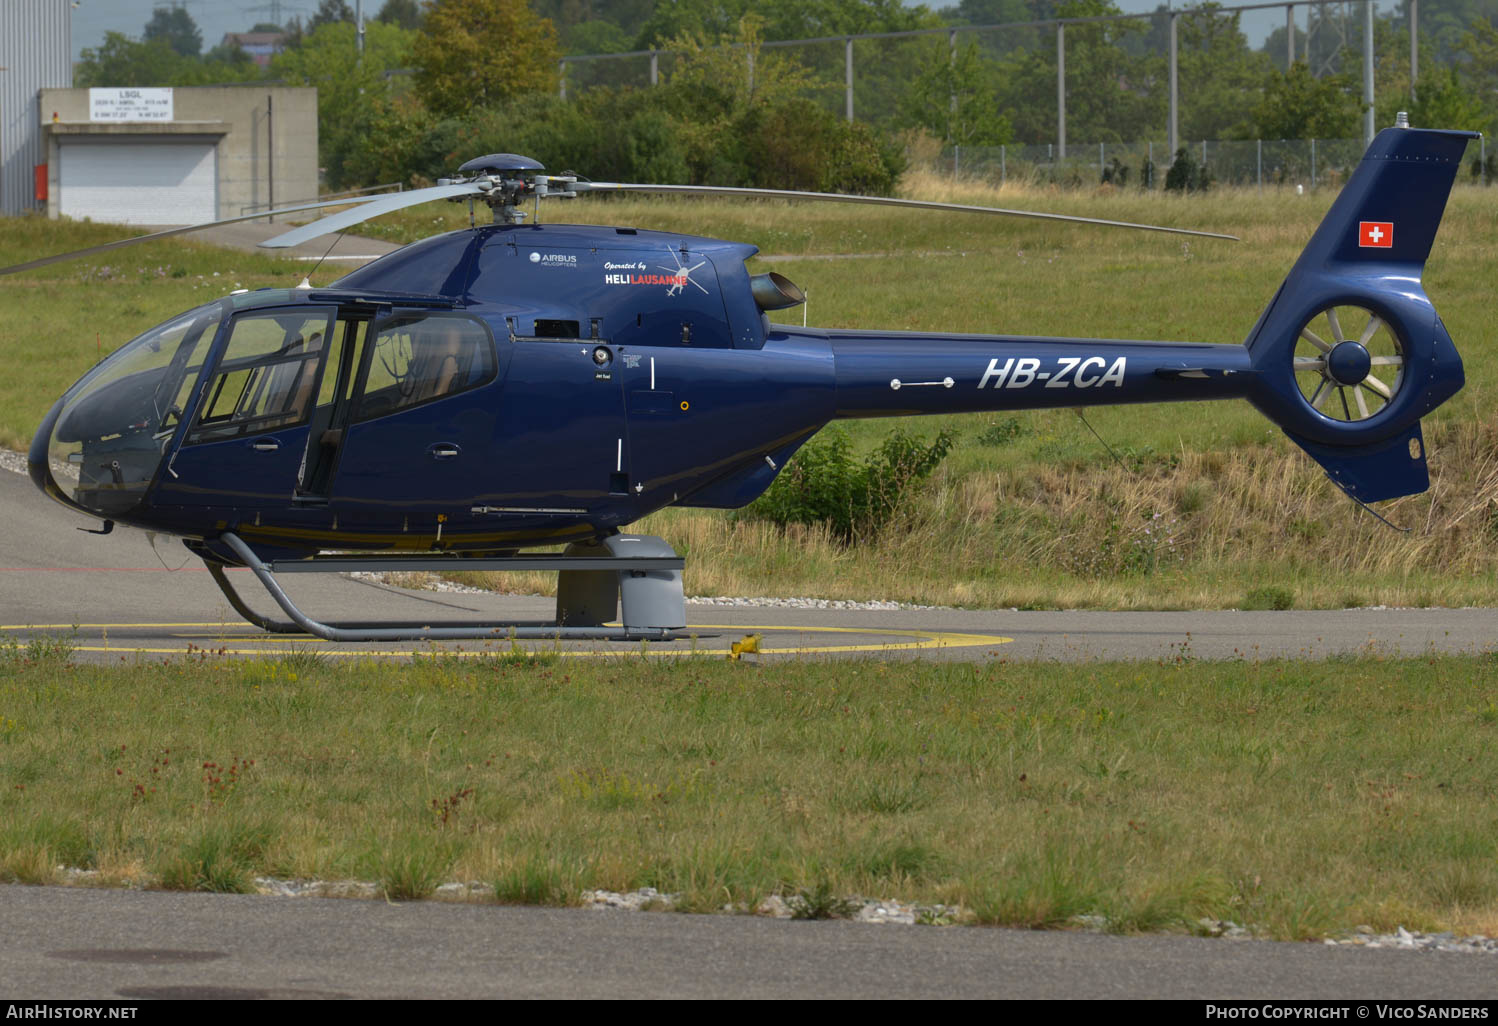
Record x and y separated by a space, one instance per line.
176 156
261 46
35 53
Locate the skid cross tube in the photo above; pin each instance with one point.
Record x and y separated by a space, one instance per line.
301 623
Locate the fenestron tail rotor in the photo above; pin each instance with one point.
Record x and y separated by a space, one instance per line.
1349 363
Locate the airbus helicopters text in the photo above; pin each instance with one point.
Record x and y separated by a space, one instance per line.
515 386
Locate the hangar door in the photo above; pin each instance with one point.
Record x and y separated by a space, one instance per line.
138 180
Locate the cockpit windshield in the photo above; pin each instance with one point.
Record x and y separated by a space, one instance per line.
118 420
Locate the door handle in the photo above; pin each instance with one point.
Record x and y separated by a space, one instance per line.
265 445
443 451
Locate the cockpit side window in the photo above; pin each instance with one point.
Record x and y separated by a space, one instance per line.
418 358
267 378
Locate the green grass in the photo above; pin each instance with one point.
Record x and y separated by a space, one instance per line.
1029 509
62 319
1301 799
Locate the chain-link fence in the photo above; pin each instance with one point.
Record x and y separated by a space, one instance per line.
1264 163
1171 75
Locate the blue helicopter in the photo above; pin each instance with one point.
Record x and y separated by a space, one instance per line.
514 386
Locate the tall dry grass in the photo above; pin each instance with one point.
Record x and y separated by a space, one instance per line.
1250 525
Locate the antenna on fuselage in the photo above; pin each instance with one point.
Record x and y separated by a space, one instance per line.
306 282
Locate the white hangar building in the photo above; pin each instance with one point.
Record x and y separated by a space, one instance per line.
177 156
149 156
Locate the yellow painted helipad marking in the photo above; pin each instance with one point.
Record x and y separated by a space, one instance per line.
921 640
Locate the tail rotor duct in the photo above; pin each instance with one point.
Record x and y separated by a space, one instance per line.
1349 363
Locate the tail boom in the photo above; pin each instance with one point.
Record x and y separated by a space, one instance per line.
894 374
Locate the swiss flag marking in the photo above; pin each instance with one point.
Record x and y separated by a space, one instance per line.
1379 234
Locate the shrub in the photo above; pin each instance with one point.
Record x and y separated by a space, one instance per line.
796 144
826 484
1002 432
1186 175
1269 598
632 135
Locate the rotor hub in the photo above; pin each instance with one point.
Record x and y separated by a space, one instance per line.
1348 363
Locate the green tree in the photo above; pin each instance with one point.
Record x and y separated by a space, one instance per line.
346 85
1217 73
711 21
175 27
1479 48
121 61
761 129
328 12
226 63
583 23
1443 26
957 100
1275 47
475 53
405 13
1111 96
708 122
1296 106
715 21
986 12
1445 103
596 37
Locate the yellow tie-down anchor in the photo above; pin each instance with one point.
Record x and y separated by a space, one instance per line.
749 644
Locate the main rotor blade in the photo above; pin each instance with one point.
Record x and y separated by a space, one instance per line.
168 233
884 201
384 205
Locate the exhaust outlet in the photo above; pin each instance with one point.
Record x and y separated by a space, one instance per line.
774 291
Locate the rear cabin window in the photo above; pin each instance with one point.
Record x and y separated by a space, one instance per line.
422 358
267 378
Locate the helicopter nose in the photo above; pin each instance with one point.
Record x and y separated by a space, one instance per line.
38 468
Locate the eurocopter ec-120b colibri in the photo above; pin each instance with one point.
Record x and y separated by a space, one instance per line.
514 386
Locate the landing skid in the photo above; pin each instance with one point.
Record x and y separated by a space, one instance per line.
636 576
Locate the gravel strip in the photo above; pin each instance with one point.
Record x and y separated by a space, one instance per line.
16 461
803 603
1402 938
862 910
432 582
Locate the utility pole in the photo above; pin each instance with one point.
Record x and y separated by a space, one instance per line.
1061 90
848 76
359 26
1414 46
952 77
1368 127
1174 132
